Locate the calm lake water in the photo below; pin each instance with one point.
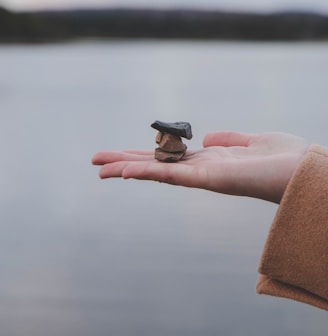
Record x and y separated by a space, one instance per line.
80 256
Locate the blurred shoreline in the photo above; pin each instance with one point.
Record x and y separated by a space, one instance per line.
67 25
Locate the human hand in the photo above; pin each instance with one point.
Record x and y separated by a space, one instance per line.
254 165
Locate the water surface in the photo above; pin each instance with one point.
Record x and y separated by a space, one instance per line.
80 256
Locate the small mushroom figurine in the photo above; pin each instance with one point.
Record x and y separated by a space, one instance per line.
171 148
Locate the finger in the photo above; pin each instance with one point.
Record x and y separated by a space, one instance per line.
112 169
140 152
175 174
108 157
227 139
137 169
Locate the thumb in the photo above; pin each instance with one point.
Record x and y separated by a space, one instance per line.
227 139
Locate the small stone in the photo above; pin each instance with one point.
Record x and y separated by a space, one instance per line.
171 143
180 128
159 137
163 156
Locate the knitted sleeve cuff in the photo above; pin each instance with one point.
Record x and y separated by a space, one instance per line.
294 262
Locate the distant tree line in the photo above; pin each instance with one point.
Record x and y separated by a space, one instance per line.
131 23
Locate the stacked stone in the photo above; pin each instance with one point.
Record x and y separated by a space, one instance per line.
170 146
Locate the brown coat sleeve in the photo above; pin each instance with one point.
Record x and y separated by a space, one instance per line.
294 263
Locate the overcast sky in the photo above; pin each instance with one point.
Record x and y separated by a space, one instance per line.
258 5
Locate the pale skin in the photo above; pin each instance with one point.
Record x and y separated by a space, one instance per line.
254 165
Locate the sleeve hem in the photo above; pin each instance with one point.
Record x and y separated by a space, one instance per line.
272 287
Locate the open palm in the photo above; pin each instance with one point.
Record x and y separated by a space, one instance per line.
255 165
